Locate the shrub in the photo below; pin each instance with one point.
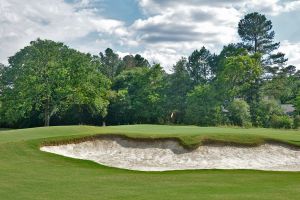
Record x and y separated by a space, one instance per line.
202 107
263 111
239 113
297 122
283 121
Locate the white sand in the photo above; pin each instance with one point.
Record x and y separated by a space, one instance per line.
164 155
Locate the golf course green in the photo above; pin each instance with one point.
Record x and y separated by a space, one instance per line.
28 173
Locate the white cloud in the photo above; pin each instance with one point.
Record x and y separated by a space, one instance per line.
186 25
271 7
165 57
22 22
170 29
292 51
181 30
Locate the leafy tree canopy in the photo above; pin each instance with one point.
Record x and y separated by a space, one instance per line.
47 77
200 66
240 74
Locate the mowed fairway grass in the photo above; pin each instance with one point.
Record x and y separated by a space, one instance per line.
28 173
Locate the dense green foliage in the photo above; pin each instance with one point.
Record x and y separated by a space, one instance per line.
28 173
200 66
47 78
202 106
240 76
139 97
240 113
247 84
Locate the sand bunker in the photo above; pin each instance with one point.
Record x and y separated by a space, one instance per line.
164 155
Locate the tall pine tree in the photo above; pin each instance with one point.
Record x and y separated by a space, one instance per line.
257 35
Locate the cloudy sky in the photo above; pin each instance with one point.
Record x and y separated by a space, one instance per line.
161 30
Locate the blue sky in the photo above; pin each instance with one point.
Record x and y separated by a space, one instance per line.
161 30
124 10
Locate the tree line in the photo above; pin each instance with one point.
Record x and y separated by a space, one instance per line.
246 84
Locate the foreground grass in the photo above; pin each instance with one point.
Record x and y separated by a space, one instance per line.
27 173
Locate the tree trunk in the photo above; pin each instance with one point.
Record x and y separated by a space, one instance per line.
47 114
47 119
255 45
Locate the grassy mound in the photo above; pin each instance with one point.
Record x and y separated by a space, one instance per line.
27 173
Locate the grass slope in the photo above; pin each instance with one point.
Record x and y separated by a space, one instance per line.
27 173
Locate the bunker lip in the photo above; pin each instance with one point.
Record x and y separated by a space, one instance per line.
203 141
164 154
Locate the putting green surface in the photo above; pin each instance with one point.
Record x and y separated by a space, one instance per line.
28 173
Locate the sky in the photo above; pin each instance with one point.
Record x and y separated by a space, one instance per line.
163 31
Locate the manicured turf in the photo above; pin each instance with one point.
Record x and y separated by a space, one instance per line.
27 173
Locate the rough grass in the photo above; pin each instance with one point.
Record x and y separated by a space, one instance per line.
27 173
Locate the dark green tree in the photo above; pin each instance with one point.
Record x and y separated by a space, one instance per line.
257 35
179 84
297 102
283 86
200 66
141 61
239 113
47 78
2 71
111 63
139 96
239 77
130 61
229 51
262 111
203 107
